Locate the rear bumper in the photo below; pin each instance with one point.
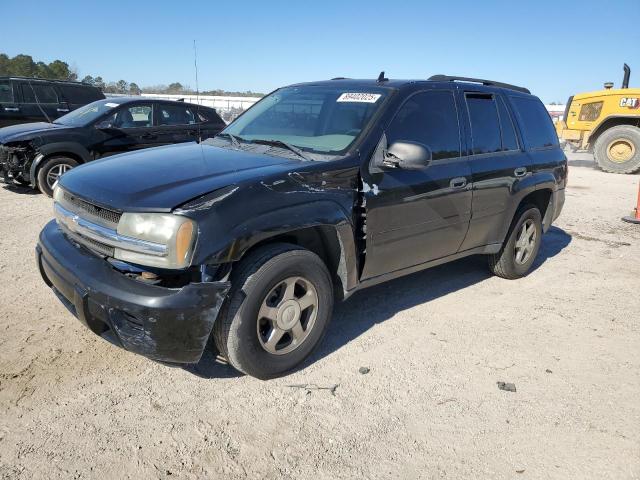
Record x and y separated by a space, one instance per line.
165 324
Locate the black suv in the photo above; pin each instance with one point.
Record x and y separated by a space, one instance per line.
37 154
25 100
318 190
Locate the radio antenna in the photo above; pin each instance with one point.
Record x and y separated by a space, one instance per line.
195 64
35 95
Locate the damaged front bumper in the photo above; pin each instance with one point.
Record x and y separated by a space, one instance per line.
15 165
164 324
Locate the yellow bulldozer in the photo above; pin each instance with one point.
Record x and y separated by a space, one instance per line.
607 123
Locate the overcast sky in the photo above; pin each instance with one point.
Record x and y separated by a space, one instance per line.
555 48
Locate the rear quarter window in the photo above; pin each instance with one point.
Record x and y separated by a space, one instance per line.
80 94
208 115
536 125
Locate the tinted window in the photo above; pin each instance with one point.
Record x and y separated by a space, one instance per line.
429 118
509 139
79 94
175 115
6 92
485 127
537 127
43 93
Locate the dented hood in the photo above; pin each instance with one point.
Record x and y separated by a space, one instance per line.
27 131
160 179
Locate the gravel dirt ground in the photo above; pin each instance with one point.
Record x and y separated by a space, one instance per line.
436 343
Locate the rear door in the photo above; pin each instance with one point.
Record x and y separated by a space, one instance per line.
415 216
39 97
498 163
10 113
177 123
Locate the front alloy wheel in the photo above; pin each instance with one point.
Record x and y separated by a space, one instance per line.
287 315
276 312
51 171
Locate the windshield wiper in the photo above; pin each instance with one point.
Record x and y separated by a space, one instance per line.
280 143
234 140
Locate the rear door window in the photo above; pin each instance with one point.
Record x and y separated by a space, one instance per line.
537 127
429 118
38 93
485 126
509 138
6 92
175 115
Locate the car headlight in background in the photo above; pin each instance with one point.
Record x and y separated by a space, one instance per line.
176 232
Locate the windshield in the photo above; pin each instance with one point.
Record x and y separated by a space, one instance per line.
83 116
319 119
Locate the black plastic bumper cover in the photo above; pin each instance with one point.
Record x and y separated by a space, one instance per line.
165 324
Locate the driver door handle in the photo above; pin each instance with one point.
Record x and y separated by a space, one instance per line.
150 136
458 182
11 109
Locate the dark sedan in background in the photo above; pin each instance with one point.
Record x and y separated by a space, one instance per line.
36 154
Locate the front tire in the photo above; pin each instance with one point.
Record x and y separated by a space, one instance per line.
277 311
521 247
617 150
50 172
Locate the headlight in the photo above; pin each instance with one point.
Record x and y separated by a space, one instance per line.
176 232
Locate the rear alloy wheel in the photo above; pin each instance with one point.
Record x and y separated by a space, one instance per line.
51 170
617 150
521 247
277 310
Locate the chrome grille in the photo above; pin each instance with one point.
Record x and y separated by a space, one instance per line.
81 207
97 247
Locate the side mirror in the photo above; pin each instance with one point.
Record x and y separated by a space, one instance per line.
407 155
104 125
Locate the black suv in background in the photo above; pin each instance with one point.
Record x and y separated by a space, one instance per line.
24 100
317 191
37 154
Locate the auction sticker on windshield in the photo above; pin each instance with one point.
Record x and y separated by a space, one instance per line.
111 105
359 97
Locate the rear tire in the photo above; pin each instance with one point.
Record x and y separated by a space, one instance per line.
521 247
51 170
261 306
617 150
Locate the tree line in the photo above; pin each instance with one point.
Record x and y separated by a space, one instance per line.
24 66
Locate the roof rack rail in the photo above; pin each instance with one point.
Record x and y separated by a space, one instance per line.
339 78
37 79
447 78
